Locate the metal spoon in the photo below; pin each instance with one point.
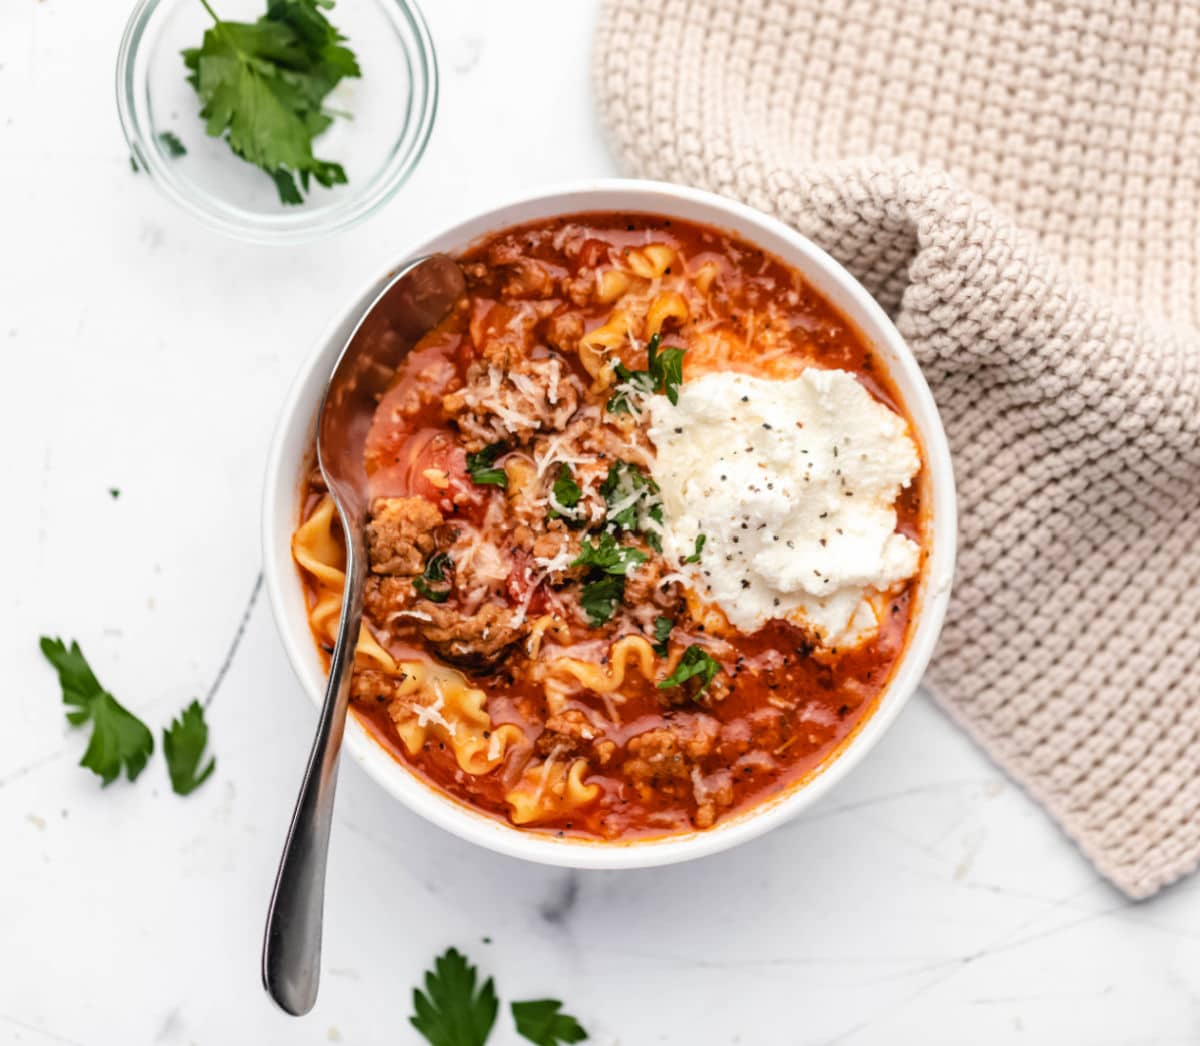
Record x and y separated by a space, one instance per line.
407 306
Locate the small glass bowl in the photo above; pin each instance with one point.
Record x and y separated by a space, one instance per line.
388 117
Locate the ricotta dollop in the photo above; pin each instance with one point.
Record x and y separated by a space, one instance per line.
794 485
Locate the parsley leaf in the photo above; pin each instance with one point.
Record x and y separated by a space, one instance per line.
600 598
662 632
695 556
183 745
566 491
540 1021
618 402
263 85
622 480
479 466
435 570
607 556
170 142
450 1012
696 661
663 373
119 738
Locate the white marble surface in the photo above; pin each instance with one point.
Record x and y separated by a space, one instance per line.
927 901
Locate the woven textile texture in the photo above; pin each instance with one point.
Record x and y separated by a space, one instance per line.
1018 182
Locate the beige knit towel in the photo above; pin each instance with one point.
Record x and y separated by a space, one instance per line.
1018 182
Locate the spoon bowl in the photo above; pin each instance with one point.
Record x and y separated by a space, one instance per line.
408 304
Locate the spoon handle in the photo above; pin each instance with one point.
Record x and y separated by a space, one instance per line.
291 959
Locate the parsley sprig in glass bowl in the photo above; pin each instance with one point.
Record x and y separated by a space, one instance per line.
335 146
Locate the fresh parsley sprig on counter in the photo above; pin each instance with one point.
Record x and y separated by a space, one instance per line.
541 1022
450 1011
183 745
663 373
263 86
120 740
453 1010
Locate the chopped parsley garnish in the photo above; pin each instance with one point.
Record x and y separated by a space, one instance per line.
435 570
566 491
119 738
541 1022
114 493
624 479
601 597
263 86
480 466
450 1011
183 745
605 586
662 632
170 142
607 556
695 556
696 661
663 373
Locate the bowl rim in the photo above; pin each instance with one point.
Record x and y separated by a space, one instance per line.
301 226
282 487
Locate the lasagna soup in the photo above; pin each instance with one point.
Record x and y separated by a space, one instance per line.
645 532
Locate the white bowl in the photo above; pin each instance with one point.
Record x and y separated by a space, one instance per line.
294 435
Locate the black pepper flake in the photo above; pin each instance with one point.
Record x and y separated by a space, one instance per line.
745 399
766 426
745 583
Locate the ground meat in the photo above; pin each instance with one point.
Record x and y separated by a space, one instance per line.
713 793
662 759
564 330
401 535
371 685
555 540
760 730
529 279
512 403
476 642
644 585
383 597
568 733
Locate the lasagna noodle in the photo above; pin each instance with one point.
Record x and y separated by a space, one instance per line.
437 700
606 679
428 697
550 790
317 550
